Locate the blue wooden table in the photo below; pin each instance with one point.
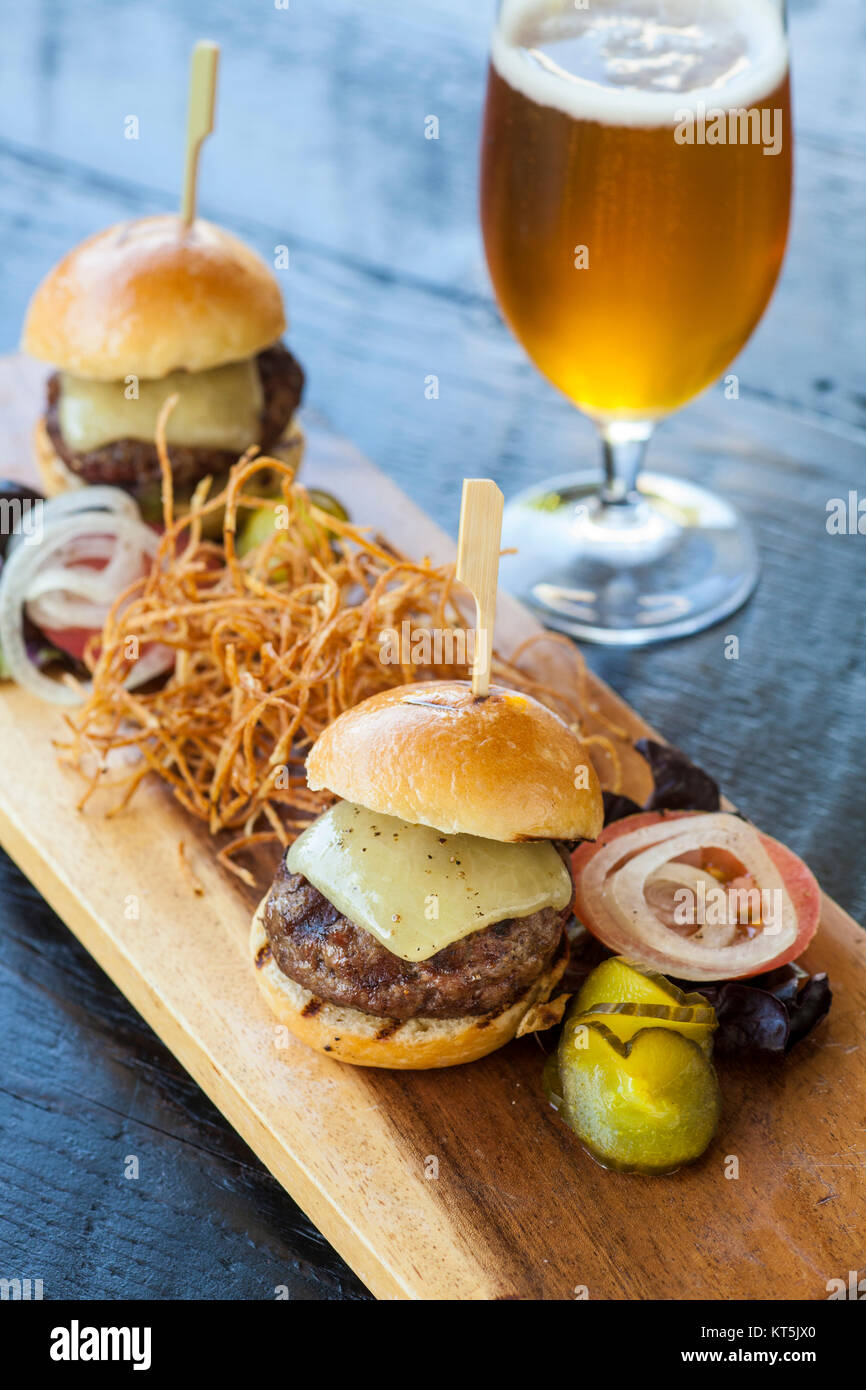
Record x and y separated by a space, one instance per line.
321 147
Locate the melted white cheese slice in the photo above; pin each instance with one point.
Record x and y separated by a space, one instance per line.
417 890
217 409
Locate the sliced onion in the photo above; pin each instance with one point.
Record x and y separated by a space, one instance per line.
98 498
73 594
716 936
616 891
682 876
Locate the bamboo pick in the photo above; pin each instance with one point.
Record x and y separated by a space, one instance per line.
478 567
200 117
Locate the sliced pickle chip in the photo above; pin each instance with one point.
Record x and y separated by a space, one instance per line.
327 502
261 523
622 981
627 1019
257 526
149 499
649 1105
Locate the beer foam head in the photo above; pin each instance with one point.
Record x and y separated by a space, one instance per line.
641 62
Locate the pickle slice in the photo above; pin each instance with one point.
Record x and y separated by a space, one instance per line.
261 522
327 502
621 981
627 997
258 526
626 1019
649 1105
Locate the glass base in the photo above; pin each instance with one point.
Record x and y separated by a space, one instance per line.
671 561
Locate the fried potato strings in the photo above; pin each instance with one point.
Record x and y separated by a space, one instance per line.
270 646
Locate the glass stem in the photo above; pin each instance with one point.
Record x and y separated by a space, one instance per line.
624 443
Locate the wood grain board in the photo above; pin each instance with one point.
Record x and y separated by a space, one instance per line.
443 1185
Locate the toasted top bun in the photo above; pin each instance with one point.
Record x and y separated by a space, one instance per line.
150 297
503 767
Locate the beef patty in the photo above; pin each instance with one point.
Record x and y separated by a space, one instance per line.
343 964
133 464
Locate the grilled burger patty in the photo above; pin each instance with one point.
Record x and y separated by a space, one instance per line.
343 964
133 463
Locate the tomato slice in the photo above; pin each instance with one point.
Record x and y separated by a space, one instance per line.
626 881
71 640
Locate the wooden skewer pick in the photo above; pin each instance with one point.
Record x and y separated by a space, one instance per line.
478 567
200 118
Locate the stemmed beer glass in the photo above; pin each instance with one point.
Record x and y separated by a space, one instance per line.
635 192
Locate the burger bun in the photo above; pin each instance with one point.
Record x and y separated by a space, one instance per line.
150 297
502 766
364 1040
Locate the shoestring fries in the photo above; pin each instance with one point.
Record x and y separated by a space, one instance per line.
270 646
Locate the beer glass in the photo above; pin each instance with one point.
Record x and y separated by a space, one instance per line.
635 193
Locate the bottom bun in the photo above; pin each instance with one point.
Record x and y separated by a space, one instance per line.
56 476
363 1040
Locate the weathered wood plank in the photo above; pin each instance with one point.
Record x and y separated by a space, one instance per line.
320 145
517 1209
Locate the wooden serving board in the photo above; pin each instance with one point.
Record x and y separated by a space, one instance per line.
456 1184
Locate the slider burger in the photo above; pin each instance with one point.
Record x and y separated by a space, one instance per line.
137 313
419 919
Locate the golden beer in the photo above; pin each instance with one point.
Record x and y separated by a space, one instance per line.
636 179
